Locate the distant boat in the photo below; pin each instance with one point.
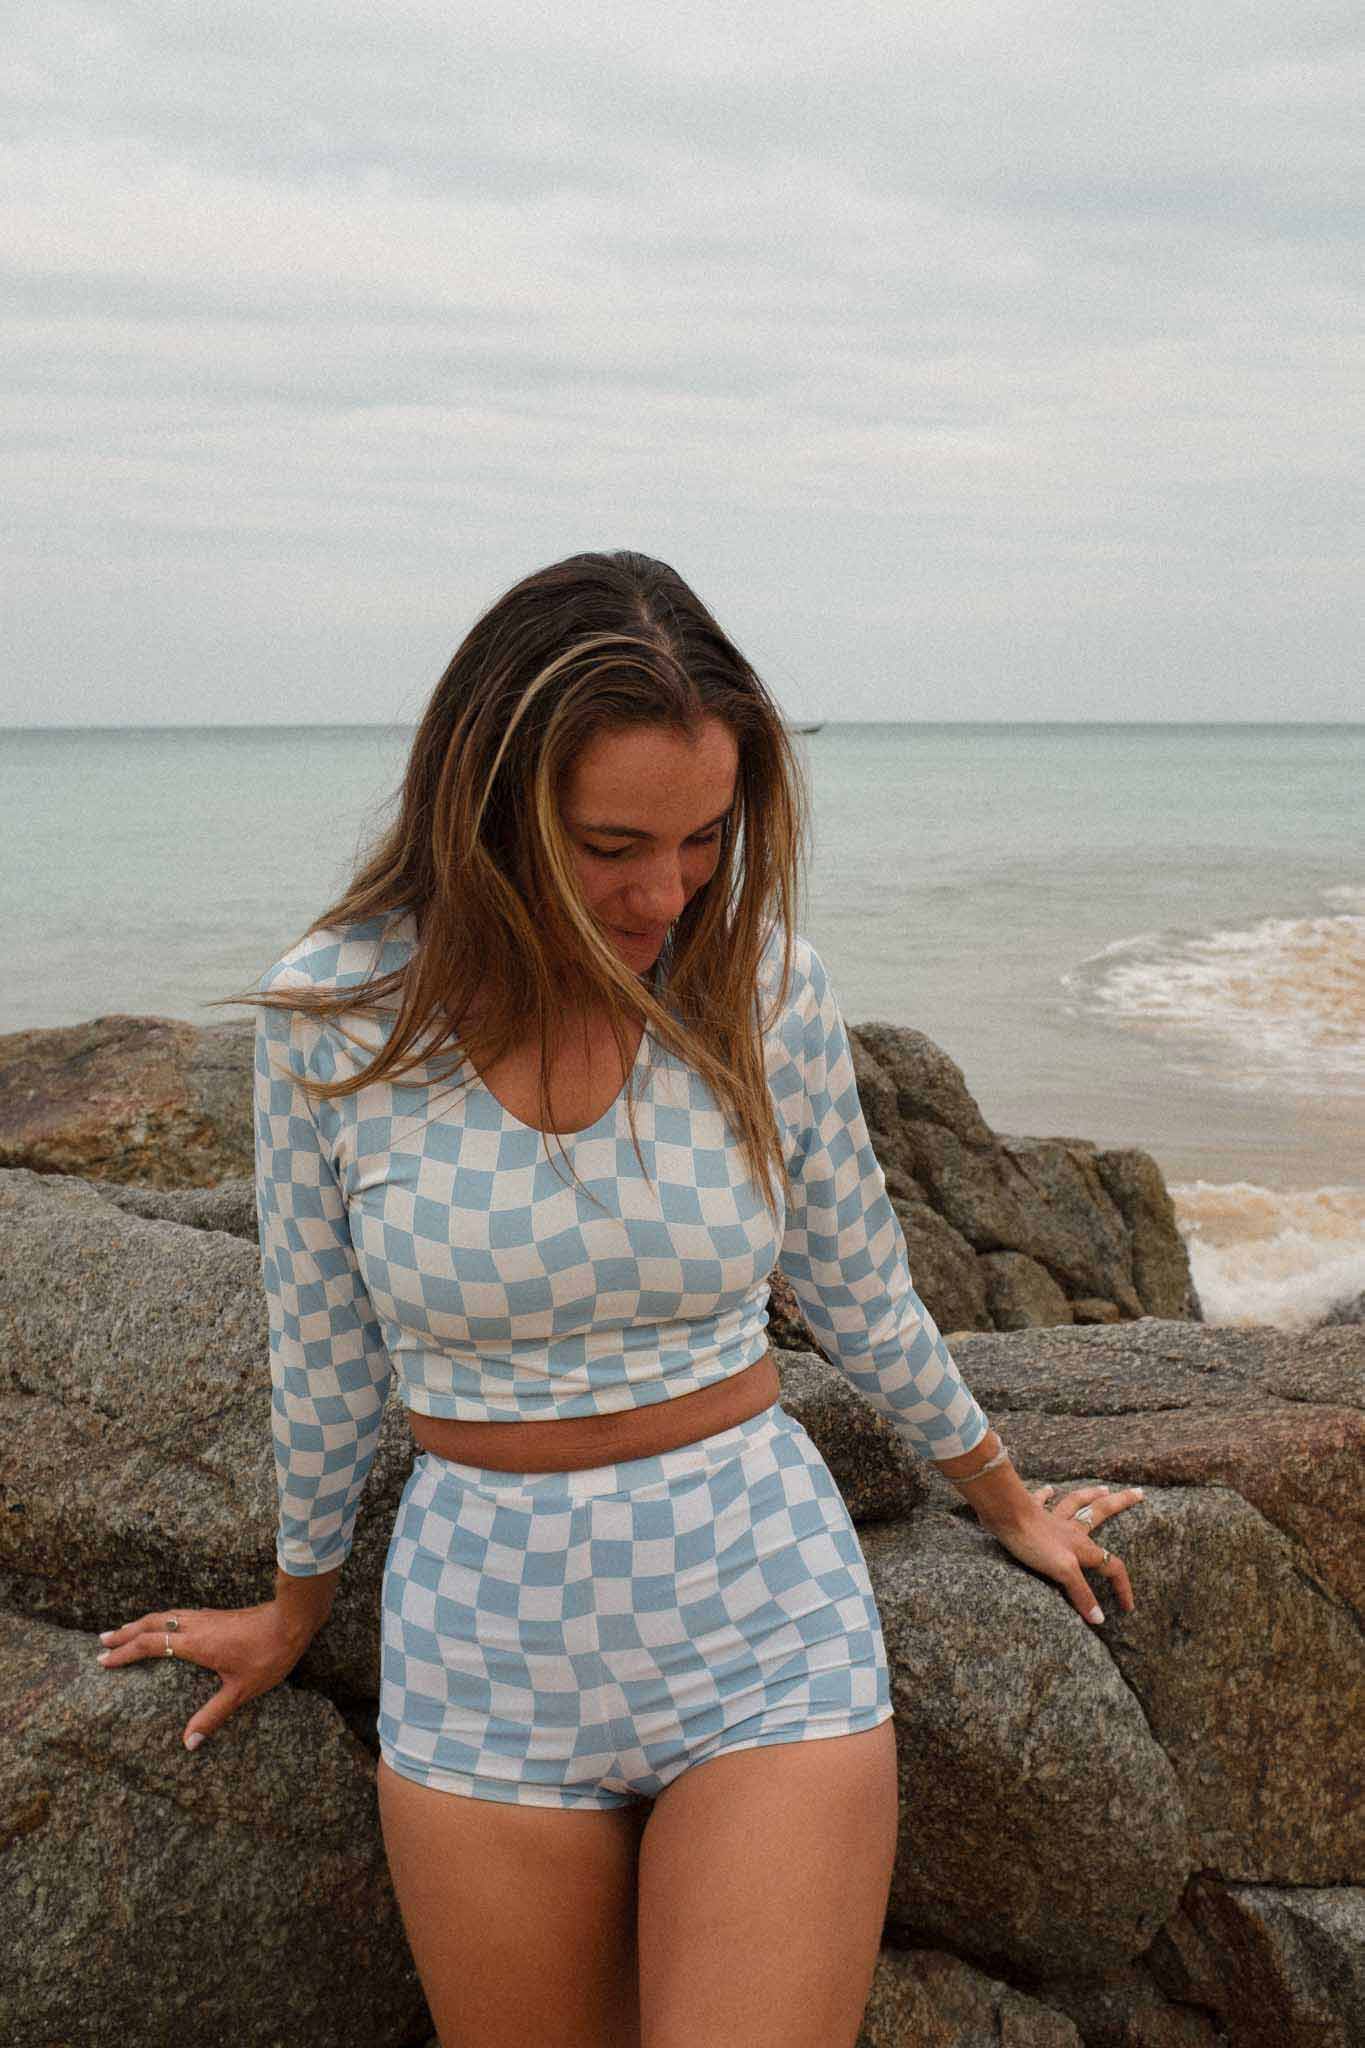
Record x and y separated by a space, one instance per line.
806 728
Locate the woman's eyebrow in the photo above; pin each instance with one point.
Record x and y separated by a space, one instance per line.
634 831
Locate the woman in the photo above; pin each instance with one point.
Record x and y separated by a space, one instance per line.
540 1104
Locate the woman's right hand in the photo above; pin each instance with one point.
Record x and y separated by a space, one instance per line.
249 1648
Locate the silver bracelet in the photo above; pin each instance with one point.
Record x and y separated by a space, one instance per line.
966 1478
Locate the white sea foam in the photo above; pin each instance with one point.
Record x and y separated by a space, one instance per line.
1264 1255
1278 1003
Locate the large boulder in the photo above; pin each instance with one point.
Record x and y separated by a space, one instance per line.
136 1467
236 1896
142 1099
1023 1757
928 1087
1229 1619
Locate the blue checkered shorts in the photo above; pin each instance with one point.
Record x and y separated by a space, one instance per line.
580 1638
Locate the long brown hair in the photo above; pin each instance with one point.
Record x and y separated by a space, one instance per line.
479 856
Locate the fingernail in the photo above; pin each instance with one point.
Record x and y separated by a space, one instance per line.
1138 1493
193 1741
104 1656
1095 1614
108 1636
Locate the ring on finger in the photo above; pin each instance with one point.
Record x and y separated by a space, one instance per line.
169 1651
172 1622
1085 1514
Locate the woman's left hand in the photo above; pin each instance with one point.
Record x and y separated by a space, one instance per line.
1054 1542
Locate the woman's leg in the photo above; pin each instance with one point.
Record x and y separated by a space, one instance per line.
521 1919
763 1885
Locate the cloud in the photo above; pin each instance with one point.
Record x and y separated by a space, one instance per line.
983 360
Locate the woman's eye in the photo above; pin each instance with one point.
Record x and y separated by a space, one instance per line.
706 839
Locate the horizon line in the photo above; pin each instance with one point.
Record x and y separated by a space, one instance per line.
410 725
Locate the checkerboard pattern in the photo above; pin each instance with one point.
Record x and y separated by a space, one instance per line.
422 1231
581 1638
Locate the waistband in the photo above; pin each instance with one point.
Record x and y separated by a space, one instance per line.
662 1470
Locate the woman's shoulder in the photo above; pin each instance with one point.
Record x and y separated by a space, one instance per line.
343 956
808 983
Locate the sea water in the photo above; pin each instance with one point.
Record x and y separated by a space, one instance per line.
1146 935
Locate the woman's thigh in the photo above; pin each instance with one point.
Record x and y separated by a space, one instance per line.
521 1919
763 1885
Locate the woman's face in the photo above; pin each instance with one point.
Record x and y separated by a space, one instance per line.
643 809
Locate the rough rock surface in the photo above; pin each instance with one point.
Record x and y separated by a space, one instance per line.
1021 1294
1007 1792
230 1206
1126 2008
1216 1651
156 1896
923 1999
136 1467
1099 1225
1277 1416
143 1099
1280 1969
947 1271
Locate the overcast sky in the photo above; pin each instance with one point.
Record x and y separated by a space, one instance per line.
971 358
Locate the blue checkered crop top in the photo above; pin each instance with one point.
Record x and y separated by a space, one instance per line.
422 1230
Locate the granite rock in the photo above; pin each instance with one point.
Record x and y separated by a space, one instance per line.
141 1099
1009 1796
922 1998
1021 1294
238 1896
1278 1968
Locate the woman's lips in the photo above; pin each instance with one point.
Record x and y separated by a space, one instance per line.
620 931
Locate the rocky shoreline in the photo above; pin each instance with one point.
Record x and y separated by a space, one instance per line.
1149 1835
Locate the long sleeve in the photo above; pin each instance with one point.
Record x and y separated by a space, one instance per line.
330 1372
843 1248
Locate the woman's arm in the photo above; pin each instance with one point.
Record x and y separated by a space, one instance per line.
844 1253
330 1372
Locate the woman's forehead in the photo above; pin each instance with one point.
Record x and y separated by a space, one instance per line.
639 771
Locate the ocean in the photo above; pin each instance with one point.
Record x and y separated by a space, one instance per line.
1145 935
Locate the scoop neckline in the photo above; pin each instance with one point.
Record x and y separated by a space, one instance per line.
536 1130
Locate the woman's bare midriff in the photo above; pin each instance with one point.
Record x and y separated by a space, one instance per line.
577 1441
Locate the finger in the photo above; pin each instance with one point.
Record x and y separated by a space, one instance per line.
150 1642
1116 1571
1079 1594
212 1715
1041 1493
1111 1504
113 1638
1078 1497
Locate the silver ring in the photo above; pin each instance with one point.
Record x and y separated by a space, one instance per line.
1085 1514
1103 1552
169 1651
173 1622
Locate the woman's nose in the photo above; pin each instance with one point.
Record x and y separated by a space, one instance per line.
661 895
